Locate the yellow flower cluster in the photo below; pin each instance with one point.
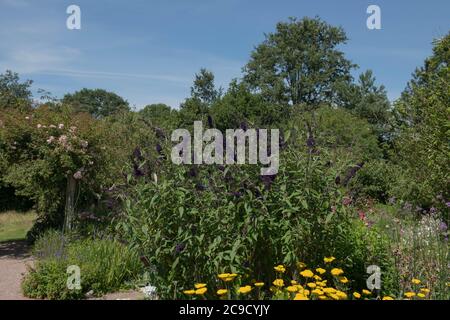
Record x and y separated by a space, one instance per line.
200 289
420 293
307 285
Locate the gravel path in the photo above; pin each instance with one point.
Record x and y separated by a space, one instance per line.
14 256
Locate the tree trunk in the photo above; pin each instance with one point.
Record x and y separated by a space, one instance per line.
70 203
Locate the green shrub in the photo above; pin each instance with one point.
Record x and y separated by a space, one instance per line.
198 221
105 266
373 180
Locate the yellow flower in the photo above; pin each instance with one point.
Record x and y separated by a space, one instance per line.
306 292
336 272
221 292
312 285
317 278
323 297
299 287
321 270
227 276
329 290
300 296
292 288
366 292
334 296
301 265
322 284
189 292
278 282
421 295
293 282
317 292
343 280
201 291
329 259
280 268
356 295
342 295
410 294
425 290
387 298
199 285
259 284
245 289
415 281
307 273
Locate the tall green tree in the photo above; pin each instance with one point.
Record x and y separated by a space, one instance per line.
369 101
98 102
299 63
203 95
239 105
13 93
160 115
423 122
204 87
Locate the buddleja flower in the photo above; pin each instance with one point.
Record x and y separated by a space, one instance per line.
180 247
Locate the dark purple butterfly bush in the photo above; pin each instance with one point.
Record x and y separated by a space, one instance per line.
210 122
268 180
180 248
352 172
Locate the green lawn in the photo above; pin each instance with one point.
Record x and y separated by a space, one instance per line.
15 225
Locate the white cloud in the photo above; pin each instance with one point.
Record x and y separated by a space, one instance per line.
114 75
15 3
33 59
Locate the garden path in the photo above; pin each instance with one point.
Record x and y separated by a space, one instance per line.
14 257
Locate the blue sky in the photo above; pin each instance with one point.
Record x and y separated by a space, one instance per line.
148 50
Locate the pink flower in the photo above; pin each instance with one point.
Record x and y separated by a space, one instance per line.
61 126
346 201
51 139
362 215
78 175
63 139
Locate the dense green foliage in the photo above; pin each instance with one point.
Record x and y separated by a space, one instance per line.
99 103
423 116
13 93
196 223
300 63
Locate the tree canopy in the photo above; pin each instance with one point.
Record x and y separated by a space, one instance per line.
299 63
98 102
14 93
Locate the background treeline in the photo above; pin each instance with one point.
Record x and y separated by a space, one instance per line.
343 142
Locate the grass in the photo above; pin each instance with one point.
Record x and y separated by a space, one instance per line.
15 225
